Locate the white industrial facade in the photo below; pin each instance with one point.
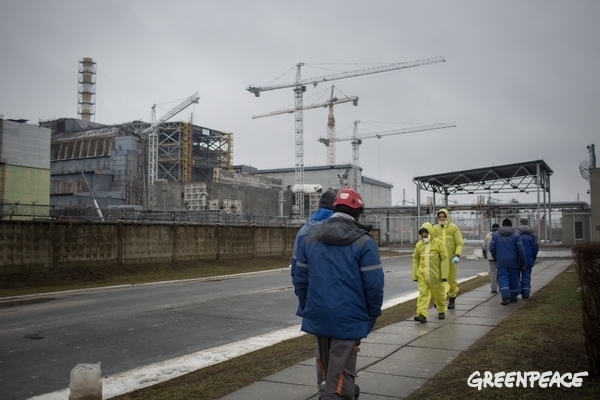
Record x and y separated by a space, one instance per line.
375 193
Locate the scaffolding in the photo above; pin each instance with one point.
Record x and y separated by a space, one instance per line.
195 196
233 206
187 151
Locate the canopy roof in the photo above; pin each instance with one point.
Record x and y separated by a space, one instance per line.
510 178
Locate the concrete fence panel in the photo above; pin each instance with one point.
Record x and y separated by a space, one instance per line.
85 244
25 246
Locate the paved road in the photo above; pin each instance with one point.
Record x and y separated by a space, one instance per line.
130 327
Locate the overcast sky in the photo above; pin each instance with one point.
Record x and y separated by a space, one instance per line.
521 78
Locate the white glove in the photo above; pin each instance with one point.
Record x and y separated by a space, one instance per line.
455 260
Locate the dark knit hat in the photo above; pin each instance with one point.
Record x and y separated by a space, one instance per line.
327 199
506 222
495 226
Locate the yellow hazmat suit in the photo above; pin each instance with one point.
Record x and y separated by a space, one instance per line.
429 267
451 237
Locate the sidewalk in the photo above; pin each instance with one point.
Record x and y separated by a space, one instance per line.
396 360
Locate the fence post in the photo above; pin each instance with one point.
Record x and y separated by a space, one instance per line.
120 241
51 249
173 242
217 230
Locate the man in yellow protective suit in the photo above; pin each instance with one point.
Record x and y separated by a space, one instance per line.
430 271
450 235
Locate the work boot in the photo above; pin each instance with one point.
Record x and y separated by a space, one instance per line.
356 392
505 302
451 301
514 300
420 318
494 291
441 315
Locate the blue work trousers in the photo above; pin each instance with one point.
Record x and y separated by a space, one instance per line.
508 280
526 282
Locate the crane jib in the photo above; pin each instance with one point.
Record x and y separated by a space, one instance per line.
343 75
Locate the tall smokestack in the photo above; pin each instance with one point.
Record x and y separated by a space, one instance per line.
86 104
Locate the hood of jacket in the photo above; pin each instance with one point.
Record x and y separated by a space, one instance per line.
428 227
339 229
506 230
525 229
321 215
445 211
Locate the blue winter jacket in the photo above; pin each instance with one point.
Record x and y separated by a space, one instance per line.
507 249
339 280
530 243
317 219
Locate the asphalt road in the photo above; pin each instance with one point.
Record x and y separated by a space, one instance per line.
130 327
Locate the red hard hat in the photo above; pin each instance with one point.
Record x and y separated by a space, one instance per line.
350 198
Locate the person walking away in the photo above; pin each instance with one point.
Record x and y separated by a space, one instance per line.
430 271
485 247
450 235
339 282
324 212
508 251
531 246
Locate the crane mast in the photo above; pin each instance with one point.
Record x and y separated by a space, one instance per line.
299 87
356 141
299 140
331 131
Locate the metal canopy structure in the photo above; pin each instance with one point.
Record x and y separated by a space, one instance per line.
523 177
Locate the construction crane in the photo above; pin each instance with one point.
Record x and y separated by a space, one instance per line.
152 133
357 141
299 87
330 118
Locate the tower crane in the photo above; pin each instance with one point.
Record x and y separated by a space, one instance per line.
152 133
299 87
357 141
330 118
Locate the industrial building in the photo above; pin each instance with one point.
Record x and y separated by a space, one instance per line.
24 169
109 164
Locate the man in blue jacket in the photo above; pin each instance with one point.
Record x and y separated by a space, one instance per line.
531 246
324 212
508 251
339 283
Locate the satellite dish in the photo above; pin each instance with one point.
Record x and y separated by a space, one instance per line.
584 169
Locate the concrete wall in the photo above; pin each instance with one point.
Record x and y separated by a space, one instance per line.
255 201
39 246
47 245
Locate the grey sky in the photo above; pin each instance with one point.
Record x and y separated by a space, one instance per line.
520 79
